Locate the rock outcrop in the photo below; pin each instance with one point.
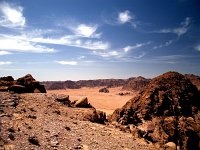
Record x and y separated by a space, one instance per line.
194 79
135 84
167 110
103 90
26 84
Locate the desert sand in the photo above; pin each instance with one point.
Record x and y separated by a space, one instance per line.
106 102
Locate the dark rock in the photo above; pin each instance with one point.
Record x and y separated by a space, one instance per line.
17 89
104 90
26 84
32 117
8 78
33 140
11 136
63 99
67 128
31 84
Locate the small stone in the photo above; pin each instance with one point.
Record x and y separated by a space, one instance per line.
67 128
33 140
11 136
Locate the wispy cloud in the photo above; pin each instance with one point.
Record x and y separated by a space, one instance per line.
107 54
11 15
81 57
5 62
4 53
164 44
140 56
67 62
172 59
16 44
184 26
74 41
136 46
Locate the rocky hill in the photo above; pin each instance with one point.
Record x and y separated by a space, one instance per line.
26 84
135 83
167 110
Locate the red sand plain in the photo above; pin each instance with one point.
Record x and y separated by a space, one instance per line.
106 102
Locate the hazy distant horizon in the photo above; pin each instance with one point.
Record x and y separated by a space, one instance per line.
41 80
95 39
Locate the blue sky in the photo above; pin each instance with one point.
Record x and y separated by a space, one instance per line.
91 39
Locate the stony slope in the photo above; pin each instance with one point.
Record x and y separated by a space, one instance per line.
38 121
167 110
194 79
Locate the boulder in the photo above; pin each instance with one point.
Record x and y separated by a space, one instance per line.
82 102
104 90
26 84
96 116
63 99
170 146
31 84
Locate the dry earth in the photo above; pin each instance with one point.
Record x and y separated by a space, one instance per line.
106 102
39 122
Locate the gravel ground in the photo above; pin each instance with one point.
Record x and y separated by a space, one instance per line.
37 122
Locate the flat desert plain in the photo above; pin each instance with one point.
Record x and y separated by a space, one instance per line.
106 102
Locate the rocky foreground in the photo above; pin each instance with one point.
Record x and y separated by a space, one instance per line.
164 115
44 121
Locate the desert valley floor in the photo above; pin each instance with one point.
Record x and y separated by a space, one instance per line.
106 102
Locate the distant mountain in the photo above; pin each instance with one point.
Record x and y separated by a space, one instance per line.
55 85
135 83
58 85
101 82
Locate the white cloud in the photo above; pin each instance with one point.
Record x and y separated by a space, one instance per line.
4 53
138 45
164 45
81 57
11 16
67 62
124 17
107 53
5 62
13 43
75 42
197 47
87 31
184 26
